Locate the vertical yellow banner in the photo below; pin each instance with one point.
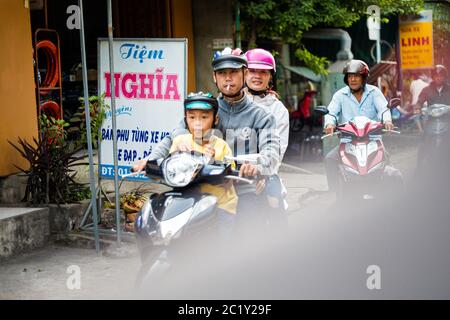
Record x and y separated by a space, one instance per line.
416 41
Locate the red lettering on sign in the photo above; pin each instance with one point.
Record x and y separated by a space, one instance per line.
143 85
418 41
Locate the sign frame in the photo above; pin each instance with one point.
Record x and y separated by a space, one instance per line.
122 170
415 23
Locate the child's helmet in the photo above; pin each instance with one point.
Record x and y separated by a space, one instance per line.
201 101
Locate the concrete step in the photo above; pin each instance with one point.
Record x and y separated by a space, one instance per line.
22 230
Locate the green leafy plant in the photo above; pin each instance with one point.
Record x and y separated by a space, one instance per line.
98 110
50 177
287 20
53 130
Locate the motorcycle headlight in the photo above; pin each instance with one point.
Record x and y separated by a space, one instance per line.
180 169
437 112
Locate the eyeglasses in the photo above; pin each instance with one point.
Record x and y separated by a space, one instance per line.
354 75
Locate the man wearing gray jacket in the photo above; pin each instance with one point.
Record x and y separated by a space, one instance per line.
246 127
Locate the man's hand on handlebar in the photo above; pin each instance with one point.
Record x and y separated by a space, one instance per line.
139 165
417 109
329 129
388 125
248 170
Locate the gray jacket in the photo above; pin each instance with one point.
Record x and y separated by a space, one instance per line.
271 104
246 127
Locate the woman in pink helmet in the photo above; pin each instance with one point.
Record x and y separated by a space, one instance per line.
261 69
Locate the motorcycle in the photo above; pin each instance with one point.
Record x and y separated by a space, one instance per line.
175 225
364 169
301 114
436 126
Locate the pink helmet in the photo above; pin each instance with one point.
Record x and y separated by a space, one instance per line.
260 59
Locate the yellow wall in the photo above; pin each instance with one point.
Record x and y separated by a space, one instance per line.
181 27
17 96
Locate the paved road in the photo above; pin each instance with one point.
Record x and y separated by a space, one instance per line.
327 253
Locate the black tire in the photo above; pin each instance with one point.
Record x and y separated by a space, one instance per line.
296 124
145 273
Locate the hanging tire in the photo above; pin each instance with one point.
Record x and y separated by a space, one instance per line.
51 109
51 56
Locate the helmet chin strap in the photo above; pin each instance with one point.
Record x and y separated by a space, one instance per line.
257 93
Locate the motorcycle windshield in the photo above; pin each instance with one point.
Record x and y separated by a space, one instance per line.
172 207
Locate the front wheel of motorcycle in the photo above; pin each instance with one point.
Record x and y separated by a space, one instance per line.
340 191
154 265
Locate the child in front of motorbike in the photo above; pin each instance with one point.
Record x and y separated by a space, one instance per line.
200 111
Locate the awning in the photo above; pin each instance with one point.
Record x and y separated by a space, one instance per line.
304 72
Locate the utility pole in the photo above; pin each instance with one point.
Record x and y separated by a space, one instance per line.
238 25
373 24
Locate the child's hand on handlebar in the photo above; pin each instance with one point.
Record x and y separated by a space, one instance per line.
209 151
184 146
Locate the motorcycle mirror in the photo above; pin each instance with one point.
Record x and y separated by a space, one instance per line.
322 110
394 103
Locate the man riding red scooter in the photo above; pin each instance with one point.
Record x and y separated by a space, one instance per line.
362 110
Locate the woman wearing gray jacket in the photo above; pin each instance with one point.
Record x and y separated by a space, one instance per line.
261 69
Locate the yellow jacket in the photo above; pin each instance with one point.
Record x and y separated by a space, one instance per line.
226 195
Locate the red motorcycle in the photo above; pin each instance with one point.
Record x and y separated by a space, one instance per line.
364 167
298 117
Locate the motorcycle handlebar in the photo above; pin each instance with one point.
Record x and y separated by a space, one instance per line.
335 133
234 175
248 181
132 174
391 131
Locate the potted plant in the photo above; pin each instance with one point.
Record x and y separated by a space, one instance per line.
77 129
130 204
50 176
